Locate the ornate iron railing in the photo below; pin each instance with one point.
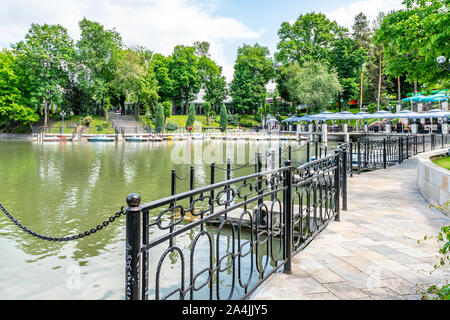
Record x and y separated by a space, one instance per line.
262 219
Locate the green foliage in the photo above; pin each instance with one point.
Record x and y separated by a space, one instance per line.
191 116
183 70
86 121
233 119
311 84
159 119
309 38
213 82
223 117
252 71
171 126
12 101
413 38
44 58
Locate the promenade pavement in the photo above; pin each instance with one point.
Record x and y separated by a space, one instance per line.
373 252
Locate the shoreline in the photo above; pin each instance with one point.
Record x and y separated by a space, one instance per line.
15 136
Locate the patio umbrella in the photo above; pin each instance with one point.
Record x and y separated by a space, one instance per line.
415 98
436 113
379 114
291 119
409 114
347 115
326 115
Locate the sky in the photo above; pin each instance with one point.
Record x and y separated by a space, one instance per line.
159 25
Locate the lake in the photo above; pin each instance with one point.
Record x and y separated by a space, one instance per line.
62 189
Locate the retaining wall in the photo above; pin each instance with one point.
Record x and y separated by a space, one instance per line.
433 182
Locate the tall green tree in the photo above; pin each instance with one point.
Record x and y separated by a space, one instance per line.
97 52
44 57
347 59
314 85
362 35
309 38
213 82
412 39
161 69
252 71
191 116
159 118
223 117
183 66
13 102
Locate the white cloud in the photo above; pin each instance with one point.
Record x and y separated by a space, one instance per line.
156 24
345 16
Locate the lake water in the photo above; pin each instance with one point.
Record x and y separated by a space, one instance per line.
62 189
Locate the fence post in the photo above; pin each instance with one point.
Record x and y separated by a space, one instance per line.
344 179
132 247
279 156
287 199
173 182
423 143
258 168
384 154
442 140
228 178
191 183
316 145
289 153
407 147
213 166
359 157
336 187
307 152
400 150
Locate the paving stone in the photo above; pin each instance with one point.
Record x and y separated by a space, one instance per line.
344 290
325 276
372 253
400 286
383 293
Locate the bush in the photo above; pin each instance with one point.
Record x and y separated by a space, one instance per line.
171 126
191 116
223 117
86 121
233 119
372 107
246 123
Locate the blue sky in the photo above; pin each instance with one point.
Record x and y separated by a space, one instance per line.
161 24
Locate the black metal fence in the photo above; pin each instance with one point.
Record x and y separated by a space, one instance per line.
263 219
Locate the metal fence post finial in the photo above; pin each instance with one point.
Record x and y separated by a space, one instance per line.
132 248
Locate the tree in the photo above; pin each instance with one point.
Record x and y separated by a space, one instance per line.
213 82
191 116
361 33
44 58
314 86
167 111
160 67
159 119
346 59
183 66
413 38
252 71
206 106
223 117
98 52
309 38
13 108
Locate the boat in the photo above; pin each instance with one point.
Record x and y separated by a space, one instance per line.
57 138
138 138
101 138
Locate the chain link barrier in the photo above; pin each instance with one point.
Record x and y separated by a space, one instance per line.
87 233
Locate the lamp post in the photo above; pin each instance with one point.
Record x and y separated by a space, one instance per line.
62 114
148 122
441 61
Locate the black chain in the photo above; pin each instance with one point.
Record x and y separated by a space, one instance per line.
61 239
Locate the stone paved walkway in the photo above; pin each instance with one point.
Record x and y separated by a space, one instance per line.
372 253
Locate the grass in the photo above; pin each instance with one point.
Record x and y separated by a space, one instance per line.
443 162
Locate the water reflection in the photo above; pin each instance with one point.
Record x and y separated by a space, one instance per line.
61 189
